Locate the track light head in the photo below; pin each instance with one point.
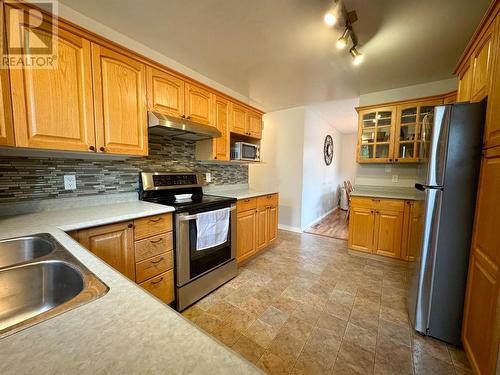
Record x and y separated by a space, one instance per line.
356 56
344 39
332 15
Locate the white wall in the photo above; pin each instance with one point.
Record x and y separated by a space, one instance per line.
320 186
409 92
348 165
281 166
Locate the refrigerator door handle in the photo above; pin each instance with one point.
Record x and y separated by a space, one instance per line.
423 187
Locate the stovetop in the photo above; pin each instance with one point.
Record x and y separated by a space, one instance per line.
195 203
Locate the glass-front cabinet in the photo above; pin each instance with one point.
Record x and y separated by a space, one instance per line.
408 137
376 135
392 133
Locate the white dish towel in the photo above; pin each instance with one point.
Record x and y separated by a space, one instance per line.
212 228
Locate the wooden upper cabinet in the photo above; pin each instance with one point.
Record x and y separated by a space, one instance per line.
221 148
199 104
120 102
165 92
238 119
254 124
53 108
481 64
376 135
6 124
492 131
450 98
464 85
481 326
114 244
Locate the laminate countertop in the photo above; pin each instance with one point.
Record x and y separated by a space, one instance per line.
409 193
238 192
127 331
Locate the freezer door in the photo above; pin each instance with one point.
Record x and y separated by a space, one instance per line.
421 270
438 147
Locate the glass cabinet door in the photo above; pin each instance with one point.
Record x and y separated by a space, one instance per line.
409 130
376 135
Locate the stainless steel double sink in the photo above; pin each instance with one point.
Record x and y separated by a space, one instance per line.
39 279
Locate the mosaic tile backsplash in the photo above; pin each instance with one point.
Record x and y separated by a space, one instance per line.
33 178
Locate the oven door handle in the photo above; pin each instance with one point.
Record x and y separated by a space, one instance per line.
191 217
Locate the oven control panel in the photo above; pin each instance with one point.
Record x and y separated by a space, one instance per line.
157 181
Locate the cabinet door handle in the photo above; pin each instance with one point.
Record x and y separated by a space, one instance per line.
157 282
156 220
390 159
131 225
91 148
183 116
156 241
102 149
246 200
375 200
157 261
189 117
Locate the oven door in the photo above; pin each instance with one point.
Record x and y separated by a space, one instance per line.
192 263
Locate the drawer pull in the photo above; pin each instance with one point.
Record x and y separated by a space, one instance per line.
375 200
157 261
156 220
156 241
157 282
246 200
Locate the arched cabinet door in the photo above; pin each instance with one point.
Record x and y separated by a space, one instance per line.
120 102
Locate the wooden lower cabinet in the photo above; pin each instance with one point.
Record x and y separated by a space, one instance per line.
148 261
114 244
257 227
377 226
412 230
481 322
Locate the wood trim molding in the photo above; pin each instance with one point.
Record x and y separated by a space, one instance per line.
488 18
406 102
98 39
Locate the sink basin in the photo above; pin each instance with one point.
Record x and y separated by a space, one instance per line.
23 249
32 289
40 279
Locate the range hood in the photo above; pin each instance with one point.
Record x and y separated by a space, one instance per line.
180 128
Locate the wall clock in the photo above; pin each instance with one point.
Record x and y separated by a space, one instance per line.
328 149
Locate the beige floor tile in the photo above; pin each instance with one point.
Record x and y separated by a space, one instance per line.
332 323
307 312
221 309
369 294
394 316
226 334
365 338
207 322
285 304
352 359
298 328
458 358
274 317
392 357
262 333
248 349
254 307
239 320
192 311
430 346
273 365
396 333
340 311
426 364
286 346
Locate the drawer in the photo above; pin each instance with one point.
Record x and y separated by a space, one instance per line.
161 286
378 203
153 266
150 247
152 225
246 204
267 200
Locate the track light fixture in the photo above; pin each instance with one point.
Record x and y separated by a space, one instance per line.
344 39
356 55
332 16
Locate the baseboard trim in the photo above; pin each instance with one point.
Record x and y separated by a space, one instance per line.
289 228
319 219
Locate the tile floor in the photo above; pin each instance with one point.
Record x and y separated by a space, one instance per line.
306 306
333 225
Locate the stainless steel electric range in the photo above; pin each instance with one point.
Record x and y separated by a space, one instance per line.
197 271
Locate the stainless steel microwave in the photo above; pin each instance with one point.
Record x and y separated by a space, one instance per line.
245 151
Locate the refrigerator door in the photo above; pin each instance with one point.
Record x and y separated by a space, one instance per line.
437 146
421 270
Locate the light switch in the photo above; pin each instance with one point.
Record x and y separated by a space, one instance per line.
395 178
208 177
69 182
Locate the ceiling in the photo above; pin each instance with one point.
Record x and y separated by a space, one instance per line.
280 54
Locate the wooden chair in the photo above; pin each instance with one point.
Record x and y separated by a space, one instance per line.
348 190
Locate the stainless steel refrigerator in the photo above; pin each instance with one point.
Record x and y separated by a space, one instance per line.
450 154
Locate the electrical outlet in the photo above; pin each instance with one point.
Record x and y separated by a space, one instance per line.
69 182
395 178
388 168
208 177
